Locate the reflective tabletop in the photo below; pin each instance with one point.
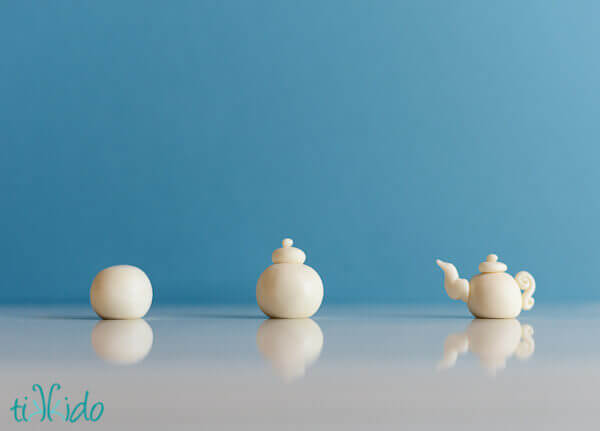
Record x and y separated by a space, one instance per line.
351 367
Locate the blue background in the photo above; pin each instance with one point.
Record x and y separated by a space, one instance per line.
189 138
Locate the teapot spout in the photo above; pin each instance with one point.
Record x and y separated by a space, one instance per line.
456 288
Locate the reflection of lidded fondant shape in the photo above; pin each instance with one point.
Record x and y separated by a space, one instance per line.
288 288
290 345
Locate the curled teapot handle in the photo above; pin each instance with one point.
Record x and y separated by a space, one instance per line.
526 283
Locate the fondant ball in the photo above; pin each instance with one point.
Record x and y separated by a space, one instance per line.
289 290
121 292
122 342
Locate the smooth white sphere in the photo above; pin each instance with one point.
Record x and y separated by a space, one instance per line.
289 291
121 292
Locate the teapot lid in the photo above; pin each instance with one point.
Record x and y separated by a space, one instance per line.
288 254
491 264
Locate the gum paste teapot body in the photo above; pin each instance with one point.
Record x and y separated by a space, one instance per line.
289 289
492 294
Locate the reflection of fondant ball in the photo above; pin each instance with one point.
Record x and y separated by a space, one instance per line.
290 345
121 292
122 341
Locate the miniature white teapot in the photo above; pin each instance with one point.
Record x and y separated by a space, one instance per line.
493 294
288 288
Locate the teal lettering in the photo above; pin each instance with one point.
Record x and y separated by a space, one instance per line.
99 403
52 409
41 410
15 408
68 409
83 411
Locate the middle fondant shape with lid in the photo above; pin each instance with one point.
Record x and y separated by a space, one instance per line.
288 288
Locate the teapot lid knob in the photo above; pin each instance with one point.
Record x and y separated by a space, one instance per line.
288 254
491 264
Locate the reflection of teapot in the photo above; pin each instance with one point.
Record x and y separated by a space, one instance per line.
122 342
493 293
492 340
291 345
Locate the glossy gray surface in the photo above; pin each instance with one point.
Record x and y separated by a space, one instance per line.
365 367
